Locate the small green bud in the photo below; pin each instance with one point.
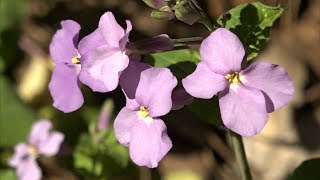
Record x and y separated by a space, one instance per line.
185 13
163 15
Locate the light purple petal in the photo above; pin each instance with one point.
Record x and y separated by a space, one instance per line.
91 42
103 68
149 142
63 46
51 145
110 29
243 110
125 39
29 170
123 125
130 78
39 132
20 151
203 83
155 89
64 88
273 81
222 51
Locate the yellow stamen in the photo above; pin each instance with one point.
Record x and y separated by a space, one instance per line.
233 78
33 151
76 59
144 113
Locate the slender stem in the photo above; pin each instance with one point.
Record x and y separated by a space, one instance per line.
190 39
240 156
205 19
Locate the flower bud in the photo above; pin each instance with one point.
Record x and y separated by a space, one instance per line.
156 4
150 45
185 13
162 15
105 115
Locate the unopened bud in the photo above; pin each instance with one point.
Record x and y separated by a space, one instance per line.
156 4
185 13
150 45
163 15
105 115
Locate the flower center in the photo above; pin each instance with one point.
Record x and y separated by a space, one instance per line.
233 78
33 151
143 112
76 59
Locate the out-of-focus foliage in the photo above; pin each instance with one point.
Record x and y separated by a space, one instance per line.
7 174
15 117
308 169
11 13
252 23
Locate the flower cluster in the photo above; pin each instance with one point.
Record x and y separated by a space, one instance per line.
40 142
106 58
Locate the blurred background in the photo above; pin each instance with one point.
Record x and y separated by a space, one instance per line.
200 150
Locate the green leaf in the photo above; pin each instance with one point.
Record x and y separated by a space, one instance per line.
207 110
15 117
116 151
181 62
252 22
309 170
7 174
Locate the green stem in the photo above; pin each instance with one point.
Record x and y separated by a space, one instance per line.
240 156
205 19
185 40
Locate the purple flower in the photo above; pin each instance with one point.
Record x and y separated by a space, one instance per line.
105 115
104 54
41 142
137 124
246 96
63 85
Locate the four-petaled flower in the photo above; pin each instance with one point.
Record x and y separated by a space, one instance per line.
137 124
40 142
104 54
63 85
246 96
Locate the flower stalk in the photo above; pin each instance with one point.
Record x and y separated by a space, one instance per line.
240 156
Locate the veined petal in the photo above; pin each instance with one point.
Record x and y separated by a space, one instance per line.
243 110
64 88
272 80
155 89
51 145
149 143
63 46
110 29
29 170
203 83
20 151
39 132
123 125
91 42
222 51
103 67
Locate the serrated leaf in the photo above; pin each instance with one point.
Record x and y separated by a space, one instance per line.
309 169
180 62
252 22
15 117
